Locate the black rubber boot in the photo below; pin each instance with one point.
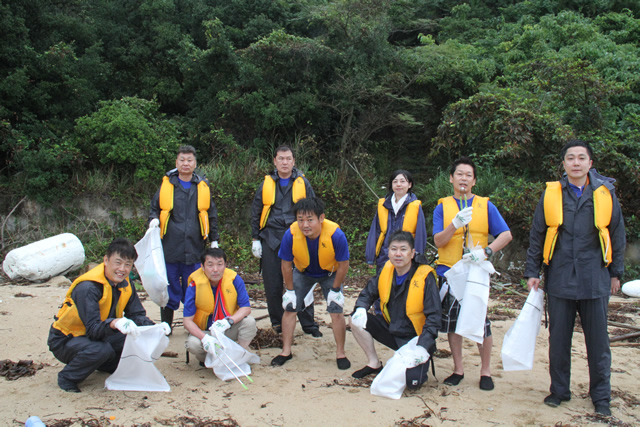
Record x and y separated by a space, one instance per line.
166 315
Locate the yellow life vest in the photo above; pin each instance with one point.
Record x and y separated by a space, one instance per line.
166 206
326 252
409 223
205 299
602 208
415 298
68 321
451 253
298 191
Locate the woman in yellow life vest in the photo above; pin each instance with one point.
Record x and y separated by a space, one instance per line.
399 210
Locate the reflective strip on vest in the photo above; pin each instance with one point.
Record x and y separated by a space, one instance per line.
415 297
68 320
205 300
166 206
602 210
451 253
326 252
298 191
409 222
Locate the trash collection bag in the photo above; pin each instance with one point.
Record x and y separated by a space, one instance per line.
457 279
151 266
392 380
473 304
223 365
519 343
136 370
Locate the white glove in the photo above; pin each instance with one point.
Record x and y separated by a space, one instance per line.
155 222
417 357
476 256
127 327
220 326
289 297
166 327
359 318
337 297
256 249
214 244
463 217
211 345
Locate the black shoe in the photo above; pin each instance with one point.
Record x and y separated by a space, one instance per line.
280 360
277 328
555 401
343 363
315 332
453 379
202 364
68 386
166 315
366 371
486 383
603 409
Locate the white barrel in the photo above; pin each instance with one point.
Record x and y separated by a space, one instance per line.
45 259
632 288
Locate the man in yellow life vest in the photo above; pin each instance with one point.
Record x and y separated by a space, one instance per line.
272 215
184 210
216 299
100 308
464 221
320 253
578 234
410 307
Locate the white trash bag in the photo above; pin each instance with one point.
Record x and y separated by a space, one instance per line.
473 304
519 343
151 266
224 366
457 279
392 380
136 370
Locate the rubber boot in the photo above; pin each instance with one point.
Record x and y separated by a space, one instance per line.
166 315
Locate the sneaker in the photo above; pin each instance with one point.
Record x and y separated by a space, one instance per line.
554 401
603 409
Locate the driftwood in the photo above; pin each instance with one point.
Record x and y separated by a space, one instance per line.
625 344
625 337
623 325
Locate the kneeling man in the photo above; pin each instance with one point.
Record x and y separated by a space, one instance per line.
89 330
216 299
410 306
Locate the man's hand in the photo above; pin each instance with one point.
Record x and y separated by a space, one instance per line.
289 297
166 328
463 217
220 325
155 222
359 318
214 244
476 256
127 327
211 345
256 249
417 357
533 283
336 296
615 285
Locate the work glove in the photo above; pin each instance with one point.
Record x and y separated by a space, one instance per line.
166 328
127 327
476 256
211 345
214 244
256 249
416 357
308 299
359 318
220 326
155 222
289 297
463 217
335 296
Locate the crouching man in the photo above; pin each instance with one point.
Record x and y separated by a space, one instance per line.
410 306
216 299
100 308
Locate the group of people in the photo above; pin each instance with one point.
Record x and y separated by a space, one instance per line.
577 236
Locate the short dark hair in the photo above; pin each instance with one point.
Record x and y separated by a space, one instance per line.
402 236
213 253
576 143
187 149
122 247
283 148
404 173
464 160
309 204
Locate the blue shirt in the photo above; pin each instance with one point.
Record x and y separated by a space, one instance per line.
284 181
189 308
185 184
577 190
497 224
340 246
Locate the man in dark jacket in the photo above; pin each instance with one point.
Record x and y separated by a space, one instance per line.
100 308
272 215
185 211
578 233
410 306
